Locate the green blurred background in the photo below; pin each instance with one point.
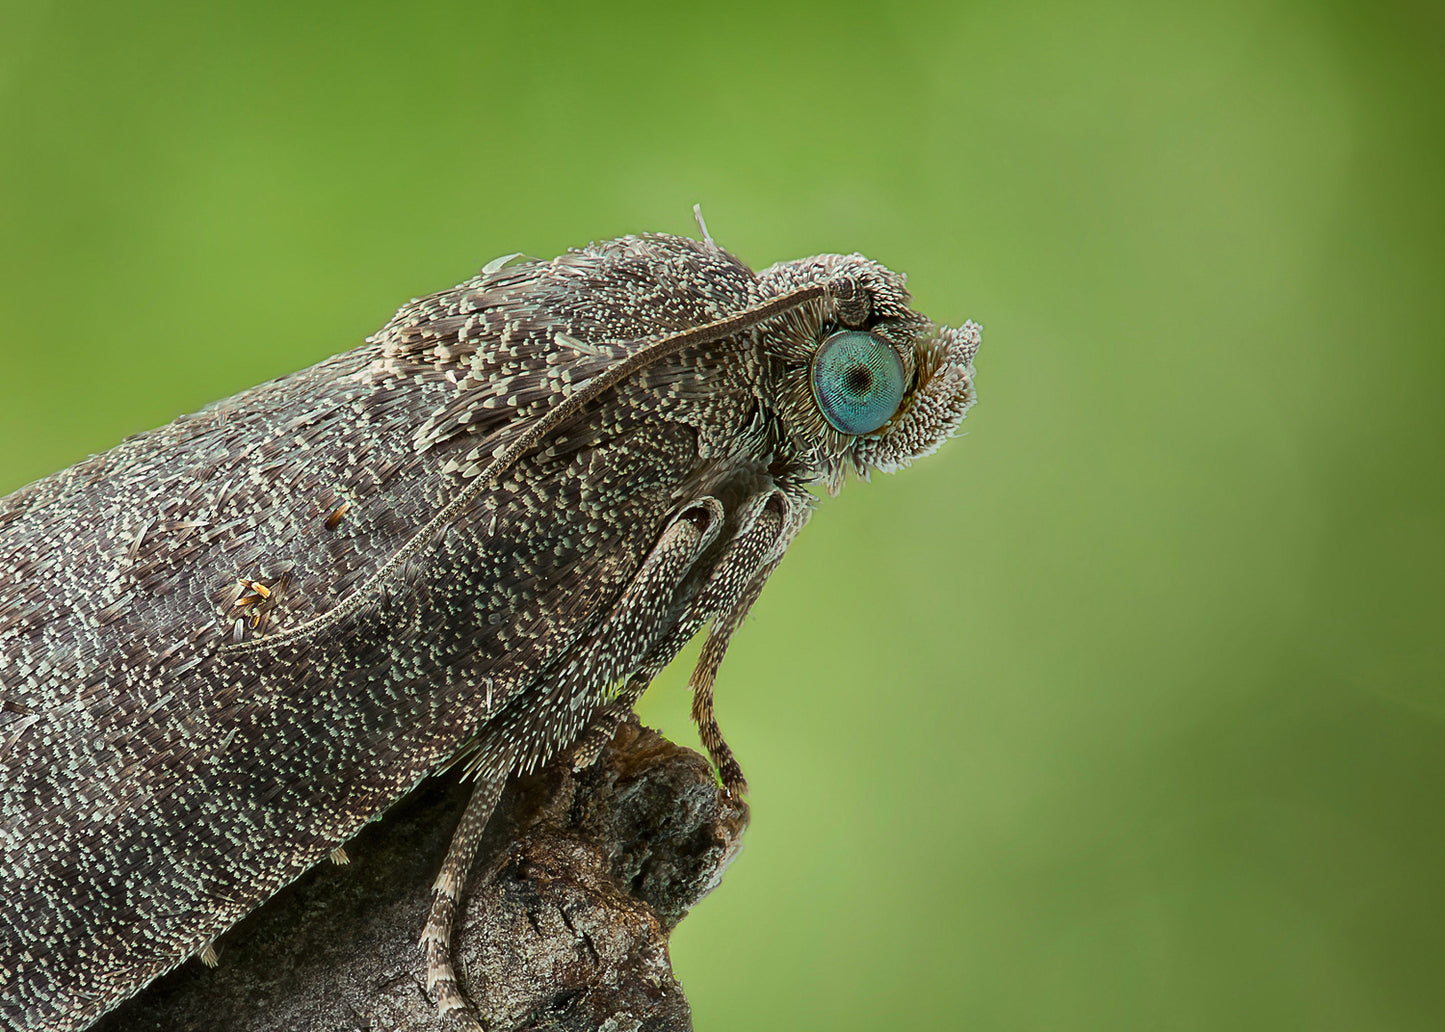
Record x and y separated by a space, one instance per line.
1124 711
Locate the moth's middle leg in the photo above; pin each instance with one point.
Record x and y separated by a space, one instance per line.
519 738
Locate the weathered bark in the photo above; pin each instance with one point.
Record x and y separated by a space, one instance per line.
579 881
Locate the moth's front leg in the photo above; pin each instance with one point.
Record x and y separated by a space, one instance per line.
770 523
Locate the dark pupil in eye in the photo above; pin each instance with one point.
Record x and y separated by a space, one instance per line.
857 380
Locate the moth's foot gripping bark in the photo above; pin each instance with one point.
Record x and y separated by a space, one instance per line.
731 776
436 937
441 978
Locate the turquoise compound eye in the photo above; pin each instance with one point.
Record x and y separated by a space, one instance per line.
858 381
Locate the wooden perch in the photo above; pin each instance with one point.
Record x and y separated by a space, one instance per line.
580 880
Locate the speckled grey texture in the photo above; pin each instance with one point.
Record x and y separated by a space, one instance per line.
580 879
157 783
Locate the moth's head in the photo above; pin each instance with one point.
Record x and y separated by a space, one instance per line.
862 380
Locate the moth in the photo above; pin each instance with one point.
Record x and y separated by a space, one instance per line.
228 643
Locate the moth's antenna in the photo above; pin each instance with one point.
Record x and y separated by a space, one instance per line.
554 418
702 225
